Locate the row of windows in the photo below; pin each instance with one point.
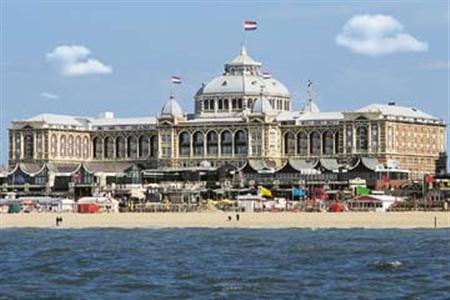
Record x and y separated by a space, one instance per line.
69 146
237 103
226 139
121 147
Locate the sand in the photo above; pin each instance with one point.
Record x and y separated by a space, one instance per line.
219 219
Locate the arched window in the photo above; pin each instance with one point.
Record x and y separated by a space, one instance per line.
226 142
54 145
289 143
184 143
62 146
108 147
327 143
206 105
70 146
219 104
120 147
132 147
97 147
374 139
226 105
239 103
77 146
315 143
144 149
28 145
240 142
234 103
362 141
336 142
198 142
212 142
211 104
154 146
85 147
302 144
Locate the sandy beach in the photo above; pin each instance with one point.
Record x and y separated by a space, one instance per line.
220 219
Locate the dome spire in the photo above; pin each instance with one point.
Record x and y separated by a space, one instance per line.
310 106
243 50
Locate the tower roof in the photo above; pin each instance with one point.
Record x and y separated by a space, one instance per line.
171 108
243 59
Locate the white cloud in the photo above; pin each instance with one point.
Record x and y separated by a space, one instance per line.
73 61
49 96
437 65
377 35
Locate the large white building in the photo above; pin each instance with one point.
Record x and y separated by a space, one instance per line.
241 118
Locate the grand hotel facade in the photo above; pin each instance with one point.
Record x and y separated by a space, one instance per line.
241 118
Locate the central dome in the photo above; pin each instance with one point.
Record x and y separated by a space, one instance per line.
239 87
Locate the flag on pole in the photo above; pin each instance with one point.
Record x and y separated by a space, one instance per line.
249 25
176 79
266 75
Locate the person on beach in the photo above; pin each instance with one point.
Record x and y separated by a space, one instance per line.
229 218
237 217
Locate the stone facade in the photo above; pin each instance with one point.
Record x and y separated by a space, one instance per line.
239 116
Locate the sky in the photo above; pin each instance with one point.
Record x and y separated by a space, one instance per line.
84 58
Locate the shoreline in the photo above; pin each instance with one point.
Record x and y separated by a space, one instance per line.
413 219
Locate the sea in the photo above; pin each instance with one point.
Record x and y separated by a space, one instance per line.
198 263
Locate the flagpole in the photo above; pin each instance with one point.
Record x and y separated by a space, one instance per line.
170 88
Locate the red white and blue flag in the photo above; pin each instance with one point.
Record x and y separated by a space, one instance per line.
176 79
266 75
250 25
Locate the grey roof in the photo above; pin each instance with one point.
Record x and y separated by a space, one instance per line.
396 110
84 122
27 168
171 108
369 163
249 84
301 164
63 167
260 165
56 119
310 116
330 164
124 121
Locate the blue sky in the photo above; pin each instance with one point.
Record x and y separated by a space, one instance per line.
135 47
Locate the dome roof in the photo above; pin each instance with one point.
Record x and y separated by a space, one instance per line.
243 76
310 107
248 84
262 106
171 108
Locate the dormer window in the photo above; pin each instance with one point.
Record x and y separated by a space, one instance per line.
224 83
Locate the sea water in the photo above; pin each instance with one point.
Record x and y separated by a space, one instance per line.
225 263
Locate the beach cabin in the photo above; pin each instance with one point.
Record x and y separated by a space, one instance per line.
379 203
97 204
250 203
